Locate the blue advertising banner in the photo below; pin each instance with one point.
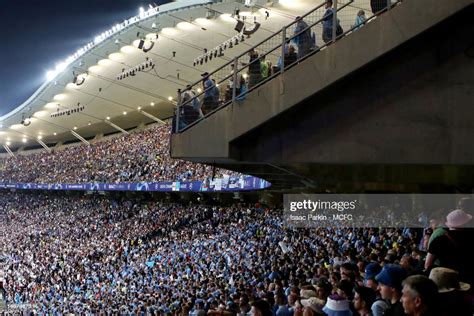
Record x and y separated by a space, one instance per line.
232 184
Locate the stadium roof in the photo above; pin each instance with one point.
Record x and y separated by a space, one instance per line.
177 33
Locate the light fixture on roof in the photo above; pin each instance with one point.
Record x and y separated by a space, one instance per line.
148 64
108 118
124 113
24 140
152 103
139 108
25 119
89 124
8 143
79 79
75 127
170 98
55 133
40 137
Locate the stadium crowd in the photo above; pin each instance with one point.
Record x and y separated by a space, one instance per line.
142 155
88 255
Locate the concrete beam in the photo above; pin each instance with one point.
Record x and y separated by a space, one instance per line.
154 118
9 151
116 126
43 144
82 139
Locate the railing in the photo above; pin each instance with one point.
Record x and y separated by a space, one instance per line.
271 57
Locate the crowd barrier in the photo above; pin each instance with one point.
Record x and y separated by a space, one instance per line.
231 184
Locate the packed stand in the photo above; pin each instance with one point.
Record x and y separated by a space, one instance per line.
87 255
140 156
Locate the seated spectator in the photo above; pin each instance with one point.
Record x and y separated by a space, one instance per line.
420 296
360 19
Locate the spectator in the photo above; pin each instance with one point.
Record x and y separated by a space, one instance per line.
211 94
337 306
378 6
255 74
420 296
390 281
328 22
360 19
238 84
451 247
302 37
312 306
364 298
452 296
265 67
261 308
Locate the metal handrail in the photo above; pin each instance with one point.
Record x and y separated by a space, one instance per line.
281 45
259 43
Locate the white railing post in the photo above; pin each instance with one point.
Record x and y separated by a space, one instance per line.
178 112
283 46
234 79
334 21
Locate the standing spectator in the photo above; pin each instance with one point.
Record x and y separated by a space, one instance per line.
364 298
328 22
211 94
337 306
190 106
420 296
312 306
302 39
255 73
390 281
237 83
451 292
378 6
451 248
264 67
261 308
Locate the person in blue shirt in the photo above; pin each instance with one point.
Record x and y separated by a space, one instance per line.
328 22
303 38
211 94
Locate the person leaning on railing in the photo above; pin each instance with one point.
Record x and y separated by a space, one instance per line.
211 94
328 22
255 74
303 38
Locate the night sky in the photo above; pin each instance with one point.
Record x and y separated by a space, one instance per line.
37 35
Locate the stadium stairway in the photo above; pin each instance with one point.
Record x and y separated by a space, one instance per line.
387 107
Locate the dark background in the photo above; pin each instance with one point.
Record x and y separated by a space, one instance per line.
36 35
